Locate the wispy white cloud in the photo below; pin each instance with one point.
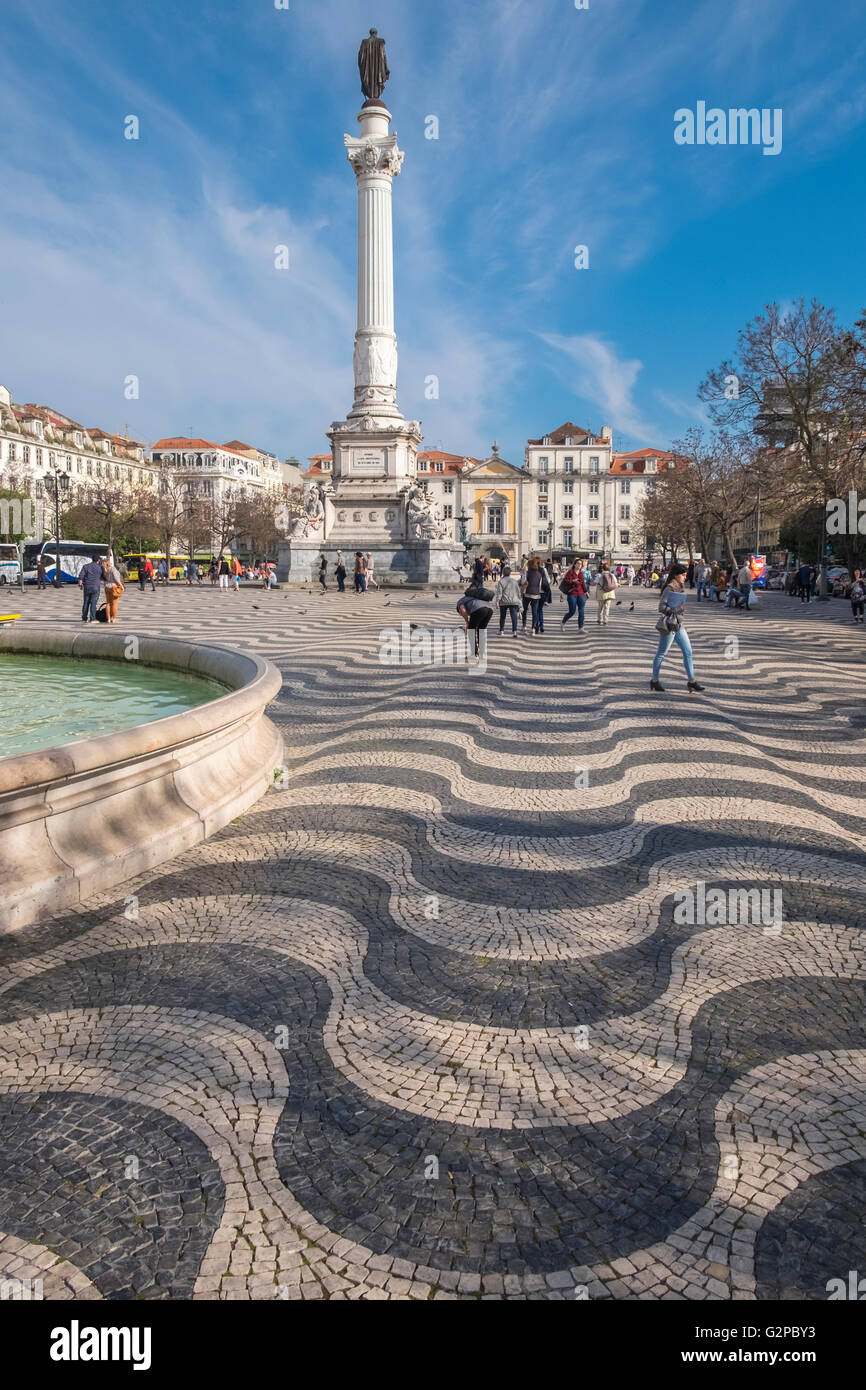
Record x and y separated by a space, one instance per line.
597 373
694 411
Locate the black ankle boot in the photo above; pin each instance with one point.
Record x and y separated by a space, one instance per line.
696 685
656 685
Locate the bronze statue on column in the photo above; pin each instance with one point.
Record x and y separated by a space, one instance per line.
373 66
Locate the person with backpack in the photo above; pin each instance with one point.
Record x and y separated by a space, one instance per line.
507 595
476 612
605 592
573 585
804 580
671 628
858 596
145 574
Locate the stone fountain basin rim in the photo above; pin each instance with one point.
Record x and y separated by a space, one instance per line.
251 682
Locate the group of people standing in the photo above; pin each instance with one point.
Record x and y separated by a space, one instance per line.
524 596
364 576
225 571
95 575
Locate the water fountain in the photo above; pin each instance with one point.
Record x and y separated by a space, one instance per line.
82 816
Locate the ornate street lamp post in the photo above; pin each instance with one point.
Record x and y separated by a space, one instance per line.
58 482
463 522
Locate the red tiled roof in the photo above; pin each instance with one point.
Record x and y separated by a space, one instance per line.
235 446
451 463
638 457
185 444
566 431
41 412
115 438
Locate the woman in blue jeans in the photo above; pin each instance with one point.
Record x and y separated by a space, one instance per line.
672 628
575 593
536 583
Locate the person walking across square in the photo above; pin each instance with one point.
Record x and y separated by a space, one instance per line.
605 592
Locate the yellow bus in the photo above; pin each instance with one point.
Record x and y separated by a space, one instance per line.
177 563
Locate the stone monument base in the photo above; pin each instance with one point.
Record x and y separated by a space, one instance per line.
394 562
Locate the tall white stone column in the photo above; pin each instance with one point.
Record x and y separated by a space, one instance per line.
376 160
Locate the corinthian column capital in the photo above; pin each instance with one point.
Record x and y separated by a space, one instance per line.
374 155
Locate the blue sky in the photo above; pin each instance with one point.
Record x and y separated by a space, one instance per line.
156 257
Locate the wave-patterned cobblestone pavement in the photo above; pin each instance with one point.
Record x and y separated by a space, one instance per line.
425 1023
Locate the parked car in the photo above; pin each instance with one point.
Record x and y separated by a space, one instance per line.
839 581
776 578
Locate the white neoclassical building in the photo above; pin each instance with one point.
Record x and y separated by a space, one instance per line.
572 496
218 471
36 439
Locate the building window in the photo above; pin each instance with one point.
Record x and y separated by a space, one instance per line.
568 485
568 512
542 511
624 537
546 439
26 453
50 459
11 452
567 540
494 521
448 487
543 464
593 538
593 513
625 484
625 513
38 458
447 512
542 537
437 467
569 464
593 463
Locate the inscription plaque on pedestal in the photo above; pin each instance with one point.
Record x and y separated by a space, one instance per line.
369 461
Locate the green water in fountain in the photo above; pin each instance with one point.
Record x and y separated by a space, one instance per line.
49 700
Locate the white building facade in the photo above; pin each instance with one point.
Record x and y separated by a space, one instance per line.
219 471
572 497
35 440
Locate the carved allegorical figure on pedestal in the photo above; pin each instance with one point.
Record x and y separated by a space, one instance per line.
314 515
422 519
373 66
